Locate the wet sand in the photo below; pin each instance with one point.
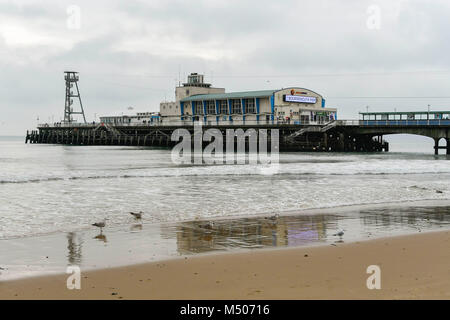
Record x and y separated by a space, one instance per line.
139 242
412 267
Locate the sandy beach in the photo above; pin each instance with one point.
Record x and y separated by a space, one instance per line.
412 267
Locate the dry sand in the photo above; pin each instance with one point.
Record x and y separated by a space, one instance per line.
412 267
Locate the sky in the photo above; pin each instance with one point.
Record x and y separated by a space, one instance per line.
381 55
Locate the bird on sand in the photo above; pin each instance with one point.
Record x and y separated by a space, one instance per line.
207 225
339 234
100 224
274 217
137 215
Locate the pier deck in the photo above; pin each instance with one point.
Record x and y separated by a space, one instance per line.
338 135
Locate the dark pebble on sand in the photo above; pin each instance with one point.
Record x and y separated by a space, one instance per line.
305 255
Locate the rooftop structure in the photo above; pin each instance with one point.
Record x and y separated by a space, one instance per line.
196 80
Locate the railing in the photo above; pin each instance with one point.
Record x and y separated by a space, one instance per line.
348 122
183 123
325 125
66 125
443 122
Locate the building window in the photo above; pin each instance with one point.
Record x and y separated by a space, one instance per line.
210 107
236 106
304 119
187 108
198 107
250 106
223 107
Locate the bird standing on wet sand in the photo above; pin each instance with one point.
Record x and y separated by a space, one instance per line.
339 234
137 215
100 225
207 225
274 217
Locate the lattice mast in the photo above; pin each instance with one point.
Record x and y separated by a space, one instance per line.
71 78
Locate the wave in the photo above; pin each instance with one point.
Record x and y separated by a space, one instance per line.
215 174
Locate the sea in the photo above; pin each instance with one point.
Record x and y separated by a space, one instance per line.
52 194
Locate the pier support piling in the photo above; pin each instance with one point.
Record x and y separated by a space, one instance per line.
436 146
448 146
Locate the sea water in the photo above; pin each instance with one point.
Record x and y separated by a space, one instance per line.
47 189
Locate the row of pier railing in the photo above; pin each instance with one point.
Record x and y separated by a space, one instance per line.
183 123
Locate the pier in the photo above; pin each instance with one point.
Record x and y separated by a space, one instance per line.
300 116
432 124
336 136
365 135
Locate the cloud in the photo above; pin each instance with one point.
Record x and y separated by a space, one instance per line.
132 53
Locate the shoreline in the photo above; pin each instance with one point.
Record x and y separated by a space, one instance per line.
286 213
146 243
412 267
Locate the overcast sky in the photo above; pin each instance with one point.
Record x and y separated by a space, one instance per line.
381 54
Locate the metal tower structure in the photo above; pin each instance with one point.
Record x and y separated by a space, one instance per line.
71 78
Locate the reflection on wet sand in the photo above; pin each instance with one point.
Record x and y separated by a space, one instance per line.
136 227
196 237
101 237
303 230
161 241
411 216
74 255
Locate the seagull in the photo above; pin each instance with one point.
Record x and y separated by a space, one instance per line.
208 225
274 217
340 233
100 225
137 215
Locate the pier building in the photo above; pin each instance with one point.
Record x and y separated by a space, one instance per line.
196 100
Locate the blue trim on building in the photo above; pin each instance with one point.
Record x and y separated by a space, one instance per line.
204 111
217 110
272 107
323 103
182 110
229 110
257 109
243 109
